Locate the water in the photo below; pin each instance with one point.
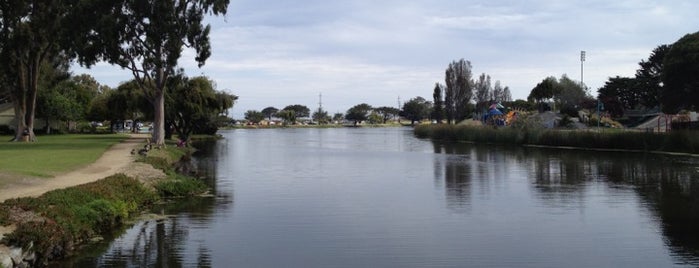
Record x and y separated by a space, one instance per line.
378 197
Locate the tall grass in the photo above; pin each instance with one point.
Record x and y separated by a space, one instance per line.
676 141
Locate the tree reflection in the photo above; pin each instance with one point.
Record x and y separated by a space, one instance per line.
457 174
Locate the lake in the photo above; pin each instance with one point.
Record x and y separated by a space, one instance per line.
379 197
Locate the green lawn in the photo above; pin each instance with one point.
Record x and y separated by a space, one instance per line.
53 154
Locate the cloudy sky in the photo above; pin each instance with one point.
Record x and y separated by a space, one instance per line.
277 53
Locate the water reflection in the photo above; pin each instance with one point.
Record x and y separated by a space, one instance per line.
668 186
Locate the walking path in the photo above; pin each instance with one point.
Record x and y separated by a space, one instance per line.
116 159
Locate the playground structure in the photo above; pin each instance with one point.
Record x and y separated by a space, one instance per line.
496 117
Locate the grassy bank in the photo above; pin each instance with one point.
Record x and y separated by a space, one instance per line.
53 154
675 141
55 223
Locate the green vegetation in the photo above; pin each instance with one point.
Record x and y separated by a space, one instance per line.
58 220
676 141
75 214
54 154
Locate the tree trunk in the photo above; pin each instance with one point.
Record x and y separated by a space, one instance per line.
159 118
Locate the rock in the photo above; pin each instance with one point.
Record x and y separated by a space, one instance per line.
6 261
17 255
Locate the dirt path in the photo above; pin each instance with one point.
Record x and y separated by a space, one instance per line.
116 159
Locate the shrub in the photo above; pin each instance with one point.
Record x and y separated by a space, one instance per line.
180 186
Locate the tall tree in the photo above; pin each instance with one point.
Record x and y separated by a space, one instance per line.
649 83
570 96
269 112
30 34
146 37
438 109
483 91
680 75
459 90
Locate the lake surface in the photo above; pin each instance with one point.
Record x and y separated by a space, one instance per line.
379 197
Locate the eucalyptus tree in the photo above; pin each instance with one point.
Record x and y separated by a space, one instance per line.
146 37
300 111
31 33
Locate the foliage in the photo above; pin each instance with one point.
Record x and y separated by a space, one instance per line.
269 112
649 83
193 105
254 116
358 113
31 34
321 116
180 186
546 89
77 213
619 94
458 91
147 38
416 109
337 117
438 100
571 95
300 111
679 75
483 91
675 141
501 94
288 116
385 113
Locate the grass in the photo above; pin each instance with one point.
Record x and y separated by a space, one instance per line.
53 154
68 217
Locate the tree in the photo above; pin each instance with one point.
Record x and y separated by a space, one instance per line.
501 94
680 75
254 116
300 110
649 83
386 112
459 89
288 116
483 91
30 34
337 117
358 113
416 109
619 94
194 104
147 38
321 116
570 95
269 112
544 90
438 110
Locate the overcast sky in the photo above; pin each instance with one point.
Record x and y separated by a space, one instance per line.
277 53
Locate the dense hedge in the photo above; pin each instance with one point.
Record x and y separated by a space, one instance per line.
676 141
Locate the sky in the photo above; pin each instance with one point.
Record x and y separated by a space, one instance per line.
278 53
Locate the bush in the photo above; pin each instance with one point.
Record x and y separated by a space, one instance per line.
180 186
